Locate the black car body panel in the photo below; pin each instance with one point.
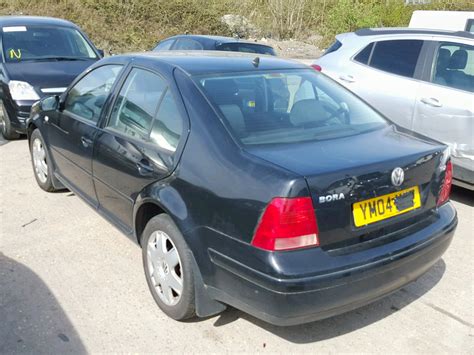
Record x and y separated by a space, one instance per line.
47 77
359 173
47 74
215 190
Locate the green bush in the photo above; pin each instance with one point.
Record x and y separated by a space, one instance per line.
130 25
350 15
135 25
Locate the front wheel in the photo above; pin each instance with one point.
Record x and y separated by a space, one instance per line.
41 162
168 267
6 127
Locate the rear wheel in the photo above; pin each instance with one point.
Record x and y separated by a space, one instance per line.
41 162
168 267
6 127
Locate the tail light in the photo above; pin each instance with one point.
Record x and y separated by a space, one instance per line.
447 183
287 223
316 67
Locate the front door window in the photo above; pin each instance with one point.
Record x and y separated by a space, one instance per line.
86 99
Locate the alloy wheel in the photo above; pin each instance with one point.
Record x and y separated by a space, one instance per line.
164 267
39 160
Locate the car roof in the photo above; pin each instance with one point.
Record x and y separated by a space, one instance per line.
209 62
221 39
34 21
411 31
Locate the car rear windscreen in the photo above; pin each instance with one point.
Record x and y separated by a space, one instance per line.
291 106
246 47
32 43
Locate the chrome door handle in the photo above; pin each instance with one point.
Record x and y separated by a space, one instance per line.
86 142
431 101
144 168
347 78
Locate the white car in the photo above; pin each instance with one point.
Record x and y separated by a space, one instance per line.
421 79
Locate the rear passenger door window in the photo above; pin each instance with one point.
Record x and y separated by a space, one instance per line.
136 105
397 56
454 66
146 110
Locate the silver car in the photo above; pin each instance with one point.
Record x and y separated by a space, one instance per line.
421 79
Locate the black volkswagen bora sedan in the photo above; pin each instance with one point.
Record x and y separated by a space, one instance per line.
212 43
252 182
40 56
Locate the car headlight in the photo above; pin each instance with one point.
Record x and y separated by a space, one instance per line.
21 90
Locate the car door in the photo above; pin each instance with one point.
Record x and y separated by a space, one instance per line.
445 102
384 74
137 143
72 128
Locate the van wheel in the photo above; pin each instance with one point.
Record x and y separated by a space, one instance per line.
6 126
168 267
41 162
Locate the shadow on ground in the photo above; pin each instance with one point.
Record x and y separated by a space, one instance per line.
3 141
31 319
348 322
462 195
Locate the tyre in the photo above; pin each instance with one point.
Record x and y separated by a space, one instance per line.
42 166
167 261
6 127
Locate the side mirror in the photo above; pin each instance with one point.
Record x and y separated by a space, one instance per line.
61 102
50 103
101 53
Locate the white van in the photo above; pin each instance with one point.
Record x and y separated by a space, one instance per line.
443 20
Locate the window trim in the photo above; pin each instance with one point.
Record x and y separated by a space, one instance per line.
104 108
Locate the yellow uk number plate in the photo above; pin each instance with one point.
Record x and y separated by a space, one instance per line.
386 206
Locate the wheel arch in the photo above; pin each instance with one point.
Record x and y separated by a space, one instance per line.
147 207
31 127
146 210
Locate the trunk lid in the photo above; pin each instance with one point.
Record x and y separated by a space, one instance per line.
357 168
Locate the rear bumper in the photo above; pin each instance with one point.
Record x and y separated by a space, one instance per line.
345 282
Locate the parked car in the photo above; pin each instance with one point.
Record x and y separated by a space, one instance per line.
443 20
421 79
212 43
260 184
40 56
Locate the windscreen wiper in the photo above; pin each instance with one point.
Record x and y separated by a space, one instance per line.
59 58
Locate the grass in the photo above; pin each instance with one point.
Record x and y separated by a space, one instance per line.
135 25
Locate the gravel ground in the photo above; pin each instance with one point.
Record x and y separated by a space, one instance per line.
71 283
294 49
